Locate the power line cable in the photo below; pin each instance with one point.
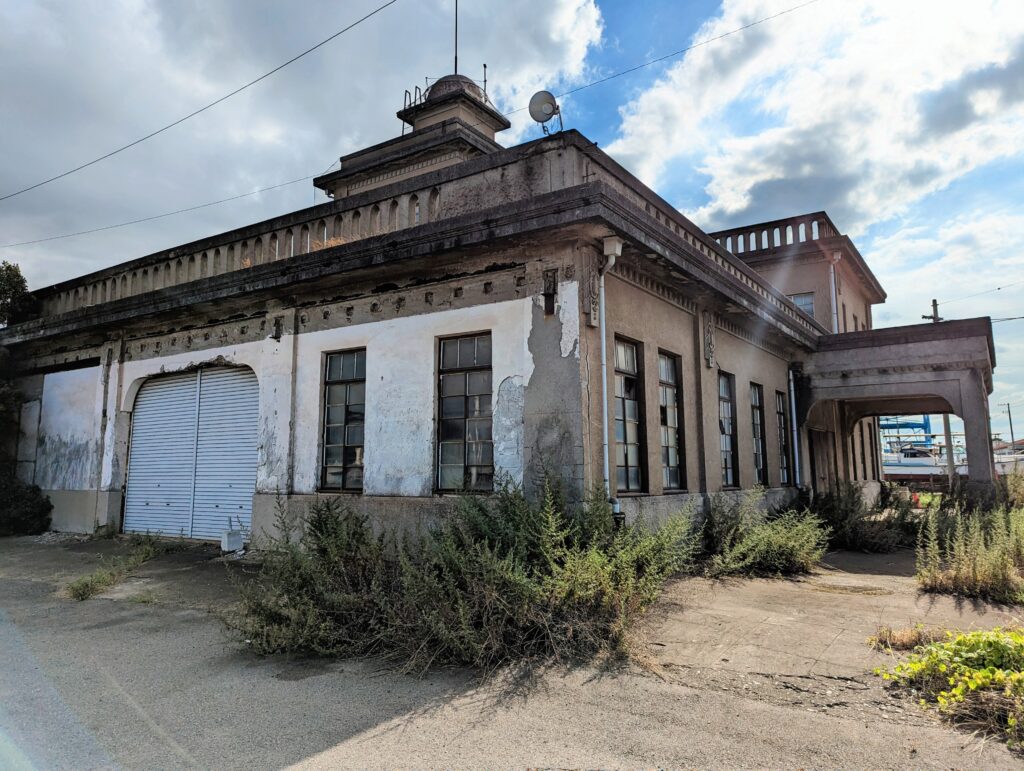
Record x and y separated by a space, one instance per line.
202 109
979 294
681 51
160 216
648 63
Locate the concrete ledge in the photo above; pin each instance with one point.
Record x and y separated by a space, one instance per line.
74 511
403 515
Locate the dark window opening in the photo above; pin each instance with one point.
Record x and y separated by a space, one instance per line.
628 475
465 446
673 467
782 418
727 429
760 440
863 453
344 417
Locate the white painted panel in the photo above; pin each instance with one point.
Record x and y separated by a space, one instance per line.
161 459
226 456
401 385
68 438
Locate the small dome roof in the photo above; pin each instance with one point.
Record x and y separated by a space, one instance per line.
454 84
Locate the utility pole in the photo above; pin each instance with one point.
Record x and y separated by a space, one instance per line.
950 461
1013 442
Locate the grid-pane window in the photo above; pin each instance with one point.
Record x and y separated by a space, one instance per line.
758 429
804 301
727 429
465 447
672 466
782 418
344 415
628 476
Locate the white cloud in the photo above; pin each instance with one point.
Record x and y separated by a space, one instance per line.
962 261
82 78
869 106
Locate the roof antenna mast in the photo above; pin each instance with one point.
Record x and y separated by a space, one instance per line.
456 37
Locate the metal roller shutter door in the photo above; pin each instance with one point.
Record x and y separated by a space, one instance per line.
226 455
161 461
192 462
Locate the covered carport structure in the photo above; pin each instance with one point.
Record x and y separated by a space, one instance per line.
922 368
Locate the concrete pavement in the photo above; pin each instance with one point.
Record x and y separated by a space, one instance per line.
157 684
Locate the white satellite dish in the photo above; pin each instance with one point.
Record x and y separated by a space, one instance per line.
543 108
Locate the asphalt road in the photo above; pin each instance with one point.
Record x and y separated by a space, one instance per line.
119 683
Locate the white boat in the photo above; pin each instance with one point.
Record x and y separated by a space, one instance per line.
913 462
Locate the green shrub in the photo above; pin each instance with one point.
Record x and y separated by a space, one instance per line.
730 518
24 510
790 543
974 679
980 554
499 581
1014 484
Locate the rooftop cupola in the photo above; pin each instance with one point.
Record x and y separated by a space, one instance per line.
453 96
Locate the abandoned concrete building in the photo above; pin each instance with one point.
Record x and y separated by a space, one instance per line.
461 313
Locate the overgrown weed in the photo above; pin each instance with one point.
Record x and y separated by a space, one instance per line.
741 537
904 638
976 554
973 679
114 570
501 580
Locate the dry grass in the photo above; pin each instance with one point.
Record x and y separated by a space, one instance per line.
905 639
317 244
113 571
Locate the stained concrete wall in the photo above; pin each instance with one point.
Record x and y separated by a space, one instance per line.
535 425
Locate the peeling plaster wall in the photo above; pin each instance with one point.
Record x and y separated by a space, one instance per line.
401 383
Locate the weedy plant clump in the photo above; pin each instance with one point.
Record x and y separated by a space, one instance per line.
973 679
974 554
24 509
501 580
142 549
742 537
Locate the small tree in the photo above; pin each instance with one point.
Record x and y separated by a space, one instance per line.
23 507
14 293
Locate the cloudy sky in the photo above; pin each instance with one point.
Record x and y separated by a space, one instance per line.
904 119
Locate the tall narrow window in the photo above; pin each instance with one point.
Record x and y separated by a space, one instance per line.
874 444
673 469
760 441
628 477
727 429
344 415
782 418
863 452
465 458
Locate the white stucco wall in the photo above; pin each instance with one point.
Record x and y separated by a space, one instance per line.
401 379
401 384
68 437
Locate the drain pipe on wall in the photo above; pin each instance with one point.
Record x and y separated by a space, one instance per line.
836 256
612 250
794 430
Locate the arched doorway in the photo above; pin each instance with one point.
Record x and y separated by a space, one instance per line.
193 453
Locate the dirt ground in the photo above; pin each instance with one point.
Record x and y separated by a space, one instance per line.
741 674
